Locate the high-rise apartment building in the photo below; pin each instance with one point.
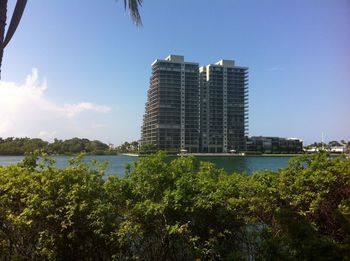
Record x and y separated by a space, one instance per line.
224 105
196 109
171 120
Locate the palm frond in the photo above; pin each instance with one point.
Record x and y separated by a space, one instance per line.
133 7
16 18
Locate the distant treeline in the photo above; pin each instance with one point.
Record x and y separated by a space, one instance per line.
21 146
330 144
128 147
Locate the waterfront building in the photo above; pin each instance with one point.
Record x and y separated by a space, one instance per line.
337 149
224 107
171 119
260 144
192 109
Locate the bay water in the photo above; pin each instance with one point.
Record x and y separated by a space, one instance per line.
117 163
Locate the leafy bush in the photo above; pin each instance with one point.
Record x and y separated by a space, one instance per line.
178 210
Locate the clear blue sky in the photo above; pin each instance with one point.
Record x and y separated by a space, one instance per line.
97 64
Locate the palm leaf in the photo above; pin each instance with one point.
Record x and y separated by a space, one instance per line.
133 7
16 18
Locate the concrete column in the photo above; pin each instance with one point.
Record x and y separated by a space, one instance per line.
224 136
182 93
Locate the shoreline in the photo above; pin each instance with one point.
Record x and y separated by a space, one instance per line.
185 155
130 154
234 155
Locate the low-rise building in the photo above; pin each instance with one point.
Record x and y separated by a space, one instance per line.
337 149
260 144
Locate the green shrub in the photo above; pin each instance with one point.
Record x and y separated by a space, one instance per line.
177 210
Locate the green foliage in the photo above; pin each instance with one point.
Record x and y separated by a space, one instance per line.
51 213
127 147
76 145
148 149
30 161
308 209
177 210
181 209
22 146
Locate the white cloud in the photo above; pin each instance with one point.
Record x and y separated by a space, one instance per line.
25 110
45 135
73 109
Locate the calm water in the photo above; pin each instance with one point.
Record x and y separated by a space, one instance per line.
116 164
248 164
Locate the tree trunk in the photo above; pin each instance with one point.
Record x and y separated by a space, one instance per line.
3 12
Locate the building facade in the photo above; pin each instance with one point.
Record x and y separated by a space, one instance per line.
260 144
196 109
171 119
224 107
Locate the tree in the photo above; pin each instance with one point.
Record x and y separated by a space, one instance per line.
178 209
48 213
304 209
147 149
131 5
333 143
